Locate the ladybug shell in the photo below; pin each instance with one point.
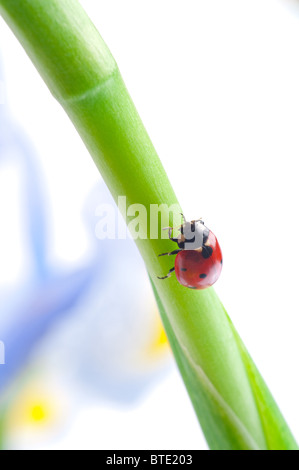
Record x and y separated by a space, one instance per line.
199 269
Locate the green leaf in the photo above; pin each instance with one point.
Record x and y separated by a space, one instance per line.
222 428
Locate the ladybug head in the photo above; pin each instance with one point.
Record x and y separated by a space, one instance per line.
193 234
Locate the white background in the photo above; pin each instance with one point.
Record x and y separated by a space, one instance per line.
216 84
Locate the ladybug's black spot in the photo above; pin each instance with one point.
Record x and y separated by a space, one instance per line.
202 276
207 251
221 261
183 269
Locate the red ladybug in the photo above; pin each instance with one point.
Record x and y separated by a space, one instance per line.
198 263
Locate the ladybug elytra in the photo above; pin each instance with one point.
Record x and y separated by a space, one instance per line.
198 261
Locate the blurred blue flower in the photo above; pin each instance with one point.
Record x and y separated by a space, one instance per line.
113 343
30 308
111 347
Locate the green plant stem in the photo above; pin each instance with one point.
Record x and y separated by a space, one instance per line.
82 75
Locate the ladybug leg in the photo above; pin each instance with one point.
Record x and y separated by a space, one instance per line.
170 229
175 252
168 275
175 240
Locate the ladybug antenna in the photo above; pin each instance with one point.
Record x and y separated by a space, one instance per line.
183 217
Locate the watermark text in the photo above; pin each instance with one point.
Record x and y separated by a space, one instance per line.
142 222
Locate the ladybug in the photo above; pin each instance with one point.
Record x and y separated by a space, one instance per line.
198 261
